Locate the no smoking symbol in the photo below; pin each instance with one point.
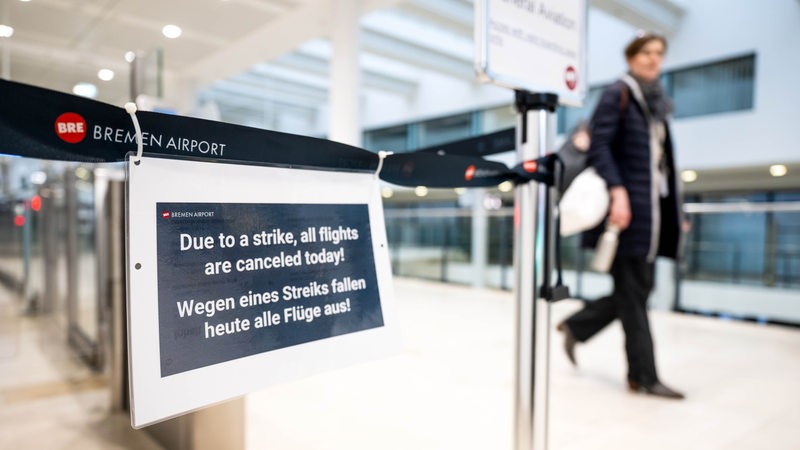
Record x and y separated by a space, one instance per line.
571 77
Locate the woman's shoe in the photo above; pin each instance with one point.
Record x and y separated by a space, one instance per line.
569 342
658 389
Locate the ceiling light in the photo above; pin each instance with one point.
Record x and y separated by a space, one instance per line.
778 170
421 191
171 31
492 202
85 90
505 186
38 177
82 173
105 74
689 176
6 31
387 192
130 56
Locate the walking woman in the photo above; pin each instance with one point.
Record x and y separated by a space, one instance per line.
631 149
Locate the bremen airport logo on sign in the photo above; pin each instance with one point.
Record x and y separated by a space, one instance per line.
166 214
71 127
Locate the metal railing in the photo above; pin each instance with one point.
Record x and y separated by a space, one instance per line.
436 244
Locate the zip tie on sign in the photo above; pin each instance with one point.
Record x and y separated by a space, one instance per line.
382 154
130 107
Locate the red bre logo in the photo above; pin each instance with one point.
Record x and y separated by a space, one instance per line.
71 127
469 173
165 214
530 166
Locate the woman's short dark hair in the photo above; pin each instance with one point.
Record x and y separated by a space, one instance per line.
642 39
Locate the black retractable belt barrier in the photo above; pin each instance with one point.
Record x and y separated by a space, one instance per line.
431 170
542 170
558 291
487 144
40 123
46 124
551 174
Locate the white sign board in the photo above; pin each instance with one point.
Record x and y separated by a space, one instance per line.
533 45
242 276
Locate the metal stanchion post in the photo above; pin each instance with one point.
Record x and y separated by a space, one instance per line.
533 141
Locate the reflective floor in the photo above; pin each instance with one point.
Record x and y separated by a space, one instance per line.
49 399
451 388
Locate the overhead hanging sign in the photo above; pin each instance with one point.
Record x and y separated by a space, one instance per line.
243 276
533 45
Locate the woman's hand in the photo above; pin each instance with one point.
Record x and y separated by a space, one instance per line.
619 213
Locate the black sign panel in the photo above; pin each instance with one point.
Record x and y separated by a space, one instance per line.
236 280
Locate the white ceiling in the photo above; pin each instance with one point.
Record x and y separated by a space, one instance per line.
261 57
253 52
260 51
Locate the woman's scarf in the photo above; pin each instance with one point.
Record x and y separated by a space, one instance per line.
659 104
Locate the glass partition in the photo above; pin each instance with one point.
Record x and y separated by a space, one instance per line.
741 259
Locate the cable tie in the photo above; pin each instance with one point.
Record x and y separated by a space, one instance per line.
130 107
382 154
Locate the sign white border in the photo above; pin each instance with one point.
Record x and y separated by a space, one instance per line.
518 46
154 398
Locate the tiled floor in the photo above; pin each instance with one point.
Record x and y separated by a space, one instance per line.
451 388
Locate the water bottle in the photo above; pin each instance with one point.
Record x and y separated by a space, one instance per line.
606 249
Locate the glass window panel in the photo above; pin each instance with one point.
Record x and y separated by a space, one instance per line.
393 139
728 246
755 247
500 118
787 242
713 88
446 129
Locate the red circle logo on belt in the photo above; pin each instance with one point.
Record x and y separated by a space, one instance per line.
530 166
470 173
71 127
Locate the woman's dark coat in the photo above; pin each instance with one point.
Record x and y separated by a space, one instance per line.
620 152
